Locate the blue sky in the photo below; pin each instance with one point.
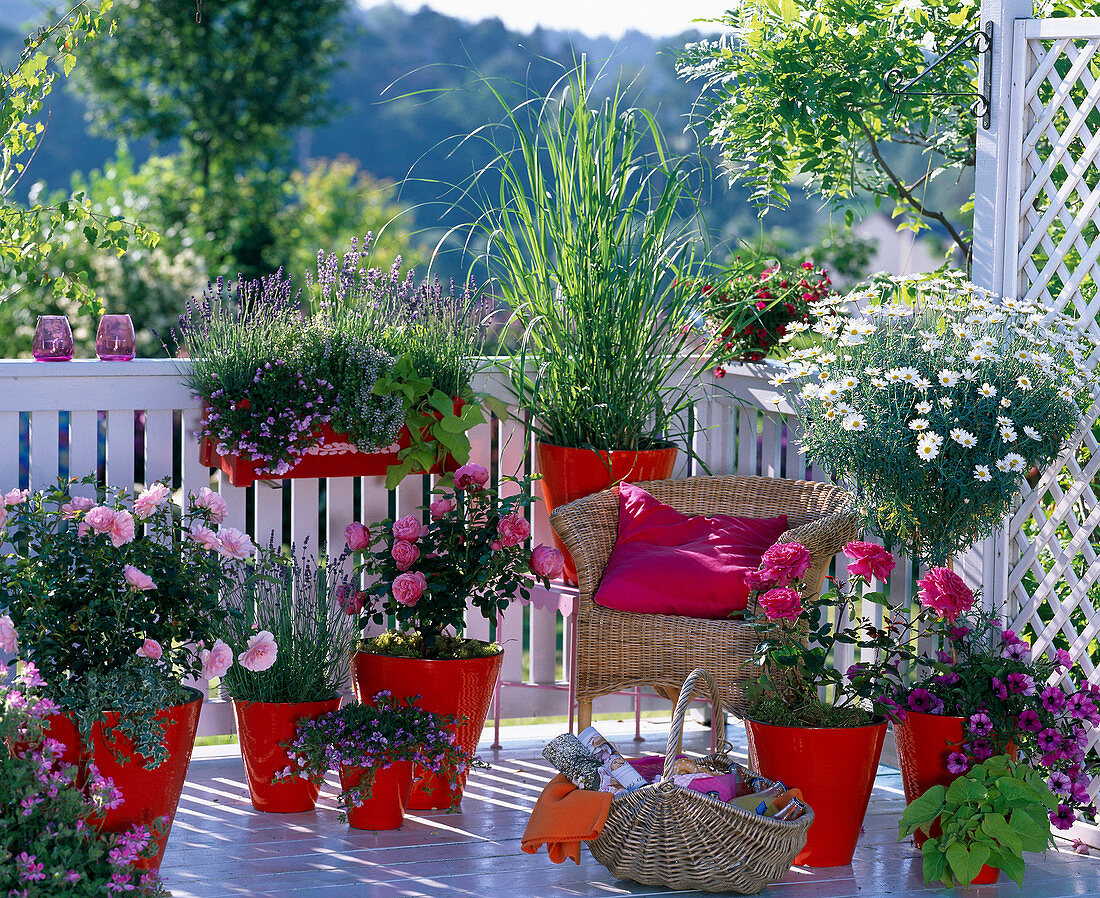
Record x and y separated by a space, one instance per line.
592 17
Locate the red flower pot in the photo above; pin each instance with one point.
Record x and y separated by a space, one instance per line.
334 456
147 794
986 876
385 808
835 769
924 741
569 474
261 726
462 687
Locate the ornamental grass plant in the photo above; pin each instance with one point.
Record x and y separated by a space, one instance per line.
590 241
935 399
289 630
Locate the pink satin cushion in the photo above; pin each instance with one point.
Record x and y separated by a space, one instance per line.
665 562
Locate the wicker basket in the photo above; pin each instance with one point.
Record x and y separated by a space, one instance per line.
663 834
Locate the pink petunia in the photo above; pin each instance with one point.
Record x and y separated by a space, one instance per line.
137 579
232 543
122 529
150 499
213 503
261 652
216 661
151 649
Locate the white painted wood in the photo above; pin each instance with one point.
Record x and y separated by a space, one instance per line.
269 514
9 450
304 515
159 427
84 448
120 447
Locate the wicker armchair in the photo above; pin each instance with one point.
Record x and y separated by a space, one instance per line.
617 650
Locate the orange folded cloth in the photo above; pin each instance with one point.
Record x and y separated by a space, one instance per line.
563 817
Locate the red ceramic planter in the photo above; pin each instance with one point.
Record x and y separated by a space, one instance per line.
148 794
835 769
569 474
462 687
385 808
261 726
335 456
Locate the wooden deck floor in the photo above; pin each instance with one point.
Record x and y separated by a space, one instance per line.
221 847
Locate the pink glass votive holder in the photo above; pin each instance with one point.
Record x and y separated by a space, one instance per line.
53 340
114 341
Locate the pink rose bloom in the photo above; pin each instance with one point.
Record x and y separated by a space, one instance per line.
944 591
351 601
787 561
761 581
357 536
204 536
3 515
234 544
16 496
869 560
151 649
122 529
405 554
213 503
100 519
138 579
75 505
147 502
8 636
409 587
513 529
782 603
441 506
472 477
547 562
261 652
216 661
408 528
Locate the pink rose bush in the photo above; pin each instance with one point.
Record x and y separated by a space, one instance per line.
216 660
261 652
137 579
475 552
151 649
869 560
781 603
9 638
946 593
787 562
149 500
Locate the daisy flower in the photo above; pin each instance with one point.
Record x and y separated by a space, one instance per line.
1023 382
923 407
948 378
854 422
987 390
1005 402
981 472
963 437
927 449
1032 434
1002 465
946 401
918 424
1014 461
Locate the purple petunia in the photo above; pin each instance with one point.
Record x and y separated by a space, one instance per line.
1059 783
999 688
1062 659
1017 651
981 749
957 762
957 633
1020 684
1063 817
980 724
1054 699
1049 740
923 700
1029 721
1080 706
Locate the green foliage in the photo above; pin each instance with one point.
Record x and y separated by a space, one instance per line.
231 88
68 591
990 815
796 90
936 403
45 848
29 235
586 242
301 603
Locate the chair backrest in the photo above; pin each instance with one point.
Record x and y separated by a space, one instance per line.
589 526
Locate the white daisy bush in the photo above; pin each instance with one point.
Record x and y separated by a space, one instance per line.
958 394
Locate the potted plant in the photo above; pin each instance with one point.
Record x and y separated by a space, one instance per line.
424 577
290 634
936 400
827 747
587 244
107 597
45 847
748 313
983 694
374 746
988 817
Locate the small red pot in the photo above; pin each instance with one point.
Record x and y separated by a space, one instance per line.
385 808
835 769
569 474
148 794
986 876
462 687
261 726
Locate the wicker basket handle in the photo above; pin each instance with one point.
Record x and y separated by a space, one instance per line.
697 679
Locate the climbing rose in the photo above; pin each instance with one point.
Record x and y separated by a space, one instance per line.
216 661
869 560
441 506
261 652
234 544
8 634
100 519
137 579
213 503
405 554
782 603
147 502
16 496
513 529
151 649
408 528
204 536
408 588
122 529
787 562
944 591
75 505
472 477
547 562
357 536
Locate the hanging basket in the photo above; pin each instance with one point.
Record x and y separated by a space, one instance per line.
665 835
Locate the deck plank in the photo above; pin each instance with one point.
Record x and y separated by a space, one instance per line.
221 847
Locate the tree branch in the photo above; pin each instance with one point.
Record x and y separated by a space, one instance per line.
910 198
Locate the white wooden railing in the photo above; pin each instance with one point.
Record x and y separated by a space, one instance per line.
133 423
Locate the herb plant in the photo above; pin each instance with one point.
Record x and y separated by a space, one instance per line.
370 737
936 401
991 815
472 553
